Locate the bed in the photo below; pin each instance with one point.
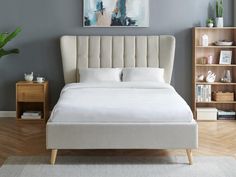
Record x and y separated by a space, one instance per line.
122 115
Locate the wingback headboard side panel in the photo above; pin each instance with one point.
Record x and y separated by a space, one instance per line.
69 58
167 55
116 52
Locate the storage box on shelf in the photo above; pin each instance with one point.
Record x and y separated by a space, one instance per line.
201 66
220 96
206 113
32 101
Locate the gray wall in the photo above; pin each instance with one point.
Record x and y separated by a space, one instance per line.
234 12
44 21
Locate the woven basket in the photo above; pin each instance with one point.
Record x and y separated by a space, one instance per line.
220 96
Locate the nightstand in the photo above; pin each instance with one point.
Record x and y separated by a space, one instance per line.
32 96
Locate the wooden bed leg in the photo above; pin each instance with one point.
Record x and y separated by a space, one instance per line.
189 153
53 156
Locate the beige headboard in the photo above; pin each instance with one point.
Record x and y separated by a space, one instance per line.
116 52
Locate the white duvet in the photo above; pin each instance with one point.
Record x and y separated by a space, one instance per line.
124 102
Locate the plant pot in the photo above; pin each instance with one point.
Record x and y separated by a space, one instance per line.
220 22
210 25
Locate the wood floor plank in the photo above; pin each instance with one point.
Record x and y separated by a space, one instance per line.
215 138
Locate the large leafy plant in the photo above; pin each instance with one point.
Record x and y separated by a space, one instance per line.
4 39
219 8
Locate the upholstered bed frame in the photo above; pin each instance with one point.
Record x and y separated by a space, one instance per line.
118 52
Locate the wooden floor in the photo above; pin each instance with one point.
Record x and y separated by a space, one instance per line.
17 138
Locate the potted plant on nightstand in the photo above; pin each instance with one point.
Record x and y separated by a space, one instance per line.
4 39
219 13
210 22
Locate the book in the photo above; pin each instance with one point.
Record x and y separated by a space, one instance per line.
203 93
209 93
226 113
31 117
226 118
32 113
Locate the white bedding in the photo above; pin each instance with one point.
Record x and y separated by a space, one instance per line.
125 102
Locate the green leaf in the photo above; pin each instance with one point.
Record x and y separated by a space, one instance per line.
219 8
9 37
3 37
8 52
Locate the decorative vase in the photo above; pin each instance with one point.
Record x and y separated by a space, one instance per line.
227 77
210 25
220 22
204 40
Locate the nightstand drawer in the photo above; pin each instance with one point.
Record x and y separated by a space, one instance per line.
33 93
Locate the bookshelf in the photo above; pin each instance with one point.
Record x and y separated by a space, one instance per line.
199 68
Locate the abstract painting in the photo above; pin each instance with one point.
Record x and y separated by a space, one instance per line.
116 13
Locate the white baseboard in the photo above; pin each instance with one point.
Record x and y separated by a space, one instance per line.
7 114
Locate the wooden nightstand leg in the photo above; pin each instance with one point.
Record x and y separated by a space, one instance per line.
53 156
190 155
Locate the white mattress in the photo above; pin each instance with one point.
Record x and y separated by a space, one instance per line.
125 102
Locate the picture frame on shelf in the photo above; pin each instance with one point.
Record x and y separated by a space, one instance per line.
225 57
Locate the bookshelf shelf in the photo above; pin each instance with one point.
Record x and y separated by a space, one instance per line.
215 28
217 47
215 65
214 83
217 102
202 91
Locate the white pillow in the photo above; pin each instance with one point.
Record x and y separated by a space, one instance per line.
89 75
143 74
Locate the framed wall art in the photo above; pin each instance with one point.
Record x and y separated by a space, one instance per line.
225 57
116 13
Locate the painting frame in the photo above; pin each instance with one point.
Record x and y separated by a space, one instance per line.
144 24
225 57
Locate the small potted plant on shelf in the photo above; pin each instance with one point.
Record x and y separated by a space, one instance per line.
219 13
210 22
4 39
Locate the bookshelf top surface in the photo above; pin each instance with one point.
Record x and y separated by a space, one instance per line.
215 83
214 28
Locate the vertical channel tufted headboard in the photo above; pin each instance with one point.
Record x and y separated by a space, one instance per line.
116 52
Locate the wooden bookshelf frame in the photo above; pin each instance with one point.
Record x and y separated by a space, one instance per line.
214 34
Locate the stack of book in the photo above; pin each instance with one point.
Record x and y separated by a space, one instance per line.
203 93
226 115
31 115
